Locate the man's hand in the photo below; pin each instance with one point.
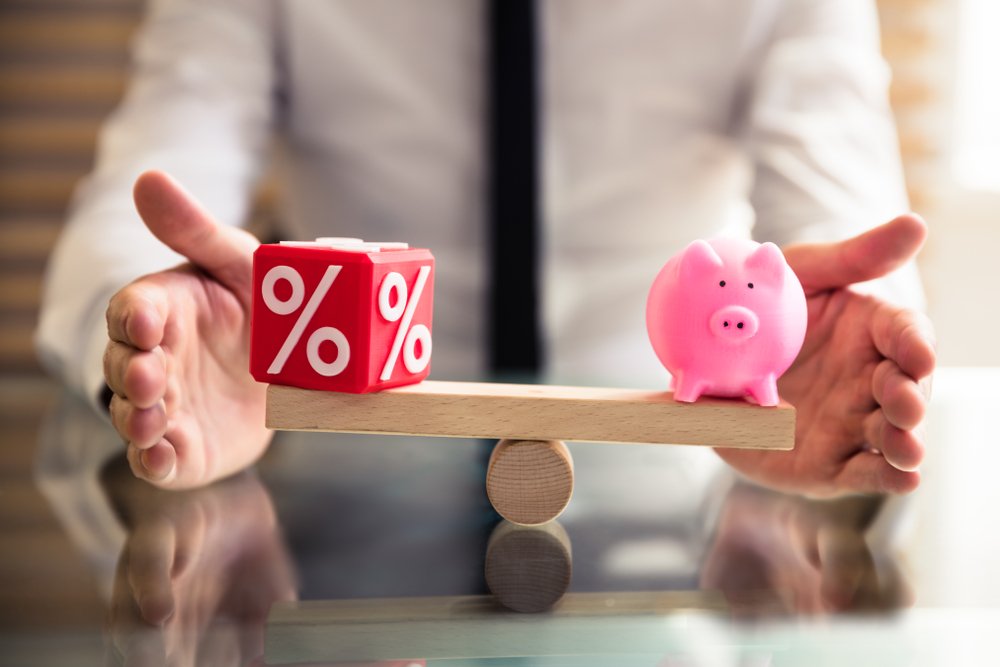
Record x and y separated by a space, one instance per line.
197 575
861 382
774 554
178 356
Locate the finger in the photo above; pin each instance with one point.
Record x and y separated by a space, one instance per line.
136 315
156 464
160 462
903 450
900 397
131 640
123 612
251 643
140 427
869 472
190 527
906 337
219 645
137 375
846 566
115 360
151 555
116 410
146 649
176 219
873 254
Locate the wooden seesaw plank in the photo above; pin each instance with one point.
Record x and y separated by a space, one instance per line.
534 412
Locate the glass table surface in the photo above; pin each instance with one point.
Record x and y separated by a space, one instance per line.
384 550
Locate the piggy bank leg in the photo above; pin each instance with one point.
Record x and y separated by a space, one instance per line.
765 391
688 389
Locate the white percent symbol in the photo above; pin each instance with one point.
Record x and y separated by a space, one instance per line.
407 337
321 335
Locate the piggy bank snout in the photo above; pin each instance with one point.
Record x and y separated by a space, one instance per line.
734 323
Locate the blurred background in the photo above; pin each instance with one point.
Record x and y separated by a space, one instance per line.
63 67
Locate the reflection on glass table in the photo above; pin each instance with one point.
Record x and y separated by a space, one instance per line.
200 570
771 556
368 549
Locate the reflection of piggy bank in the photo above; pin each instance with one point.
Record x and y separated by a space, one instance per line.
727 317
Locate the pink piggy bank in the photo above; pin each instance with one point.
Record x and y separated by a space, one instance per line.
727 317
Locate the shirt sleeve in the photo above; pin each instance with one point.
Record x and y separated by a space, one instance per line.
199 106
821 133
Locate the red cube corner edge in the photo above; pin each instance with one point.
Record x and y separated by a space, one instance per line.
352 317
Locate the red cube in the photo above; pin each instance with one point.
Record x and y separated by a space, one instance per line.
341 315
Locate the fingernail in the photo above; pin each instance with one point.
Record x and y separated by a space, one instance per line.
156 609
146 458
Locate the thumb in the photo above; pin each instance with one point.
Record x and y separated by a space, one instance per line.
176 219
873 254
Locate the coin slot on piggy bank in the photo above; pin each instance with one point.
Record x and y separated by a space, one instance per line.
727 317
341 314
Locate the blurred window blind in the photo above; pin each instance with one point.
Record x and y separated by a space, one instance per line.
913 36
63 68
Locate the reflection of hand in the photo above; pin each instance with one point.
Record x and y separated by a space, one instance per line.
857 383
197 575
179 350
783 554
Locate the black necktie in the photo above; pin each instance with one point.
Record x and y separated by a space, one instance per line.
513 187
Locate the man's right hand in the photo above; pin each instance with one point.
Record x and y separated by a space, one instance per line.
178 355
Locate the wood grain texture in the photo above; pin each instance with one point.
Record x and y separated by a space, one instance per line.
477 627
530 482
534 412
529 569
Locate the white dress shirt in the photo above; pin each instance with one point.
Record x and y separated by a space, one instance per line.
664 121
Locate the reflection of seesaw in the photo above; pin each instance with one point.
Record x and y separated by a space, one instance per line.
530 475
476 627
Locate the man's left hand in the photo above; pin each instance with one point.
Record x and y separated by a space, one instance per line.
862 380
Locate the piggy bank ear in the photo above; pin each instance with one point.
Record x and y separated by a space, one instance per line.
768 263
698 260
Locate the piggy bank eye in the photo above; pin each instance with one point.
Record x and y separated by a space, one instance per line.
750 285
722 283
